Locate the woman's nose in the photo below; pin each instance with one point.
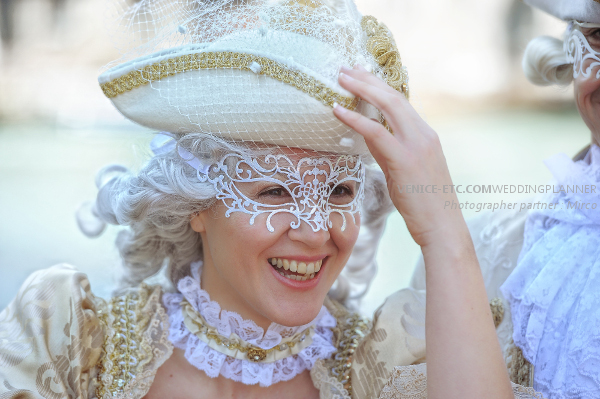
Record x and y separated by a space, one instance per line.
305 234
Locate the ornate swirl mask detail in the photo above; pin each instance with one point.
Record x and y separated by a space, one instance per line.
579 52
309 187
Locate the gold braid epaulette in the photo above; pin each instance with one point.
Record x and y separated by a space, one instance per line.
351 328
519 369
231 60
124 353
497 308
381 45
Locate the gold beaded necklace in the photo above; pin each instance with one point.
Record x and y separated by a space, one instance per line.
234 344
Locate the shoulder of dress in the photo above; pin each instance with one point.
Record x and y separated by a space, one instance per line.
397 338
503 225
50 328
63 278
498 240
369 350
135 345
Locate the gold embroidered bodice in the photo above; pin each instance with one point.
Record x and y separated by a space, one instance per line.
57 340
135 343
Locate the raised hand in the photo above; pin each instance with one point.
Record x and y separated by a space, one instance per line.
412 155
464 359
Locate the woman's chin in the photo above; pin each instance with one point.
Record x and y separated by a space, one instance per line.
292 314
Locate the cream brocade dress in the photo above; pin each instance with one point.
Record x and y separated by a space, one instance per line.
57 340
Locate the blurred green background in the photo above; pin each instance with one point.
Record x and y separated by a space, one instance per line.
57 130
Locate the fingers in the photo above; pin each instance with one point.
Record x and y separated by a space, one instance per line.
376 95
368 128
382 145
408 127
393 105
360 73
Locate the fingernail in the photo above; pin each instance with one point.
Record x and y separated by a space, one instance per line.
344 68
346 77
339 108
363 68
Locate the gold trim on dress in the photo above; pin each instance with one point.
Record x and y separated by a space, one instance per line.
123 355
229 60
351 328
497 308
520 370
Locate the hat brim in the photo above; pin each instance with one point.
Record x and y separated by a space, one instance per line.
238 94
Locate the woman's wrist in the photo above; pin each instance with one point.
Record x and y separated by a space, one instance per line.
444 227
451 244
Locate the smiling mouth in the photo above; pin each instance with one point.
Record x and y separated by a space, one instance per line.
294 270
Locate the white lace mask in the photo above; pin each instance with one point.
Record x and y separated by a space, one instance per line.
311 188
579 52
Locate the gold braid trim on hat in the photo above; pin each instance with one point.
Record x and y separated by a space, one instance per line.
232 60
381 45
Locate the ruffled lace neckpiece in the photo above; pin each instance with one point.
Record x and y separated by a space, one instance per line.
230 324
553 291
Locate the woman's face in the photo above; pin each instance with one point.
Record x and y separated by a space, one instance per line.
238 269
587 90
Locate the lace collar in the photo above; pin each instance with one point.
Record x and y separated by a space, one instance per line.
217 360
553 291
576 188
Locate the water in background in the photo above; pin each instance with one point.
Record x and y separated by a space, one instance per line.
57 129
46 172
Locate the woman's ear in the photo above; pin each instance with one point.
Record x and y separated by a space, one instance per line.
197 222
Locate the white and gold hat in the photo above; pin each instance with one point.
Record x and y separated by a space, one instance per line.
248 70
570 10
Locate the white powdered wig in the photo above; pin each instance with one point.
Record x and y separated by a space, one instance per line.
158 202
545 62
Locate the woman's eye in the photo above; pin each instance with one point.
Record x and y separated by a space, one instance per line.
274 192
593 38
341 191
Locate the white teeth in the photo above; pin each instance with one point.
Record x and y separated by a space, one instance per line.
302 268
306 271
